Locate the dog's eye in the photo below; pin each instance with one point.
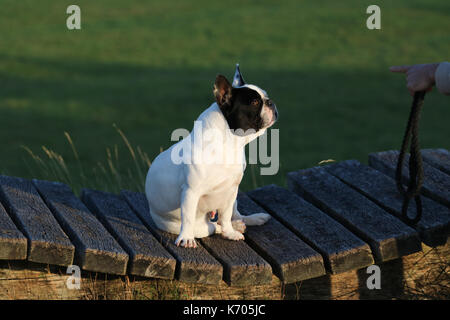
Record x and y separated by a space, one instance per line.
255 102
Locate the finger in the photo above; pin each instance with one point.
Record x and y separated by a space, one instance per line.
402 69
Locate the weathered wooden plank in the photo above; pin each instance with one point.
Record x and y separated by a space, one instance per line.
95 248
47 242
13 244
291 258
434 227
147 256
438 158
387 236
242 265
341 249
436 184
193 265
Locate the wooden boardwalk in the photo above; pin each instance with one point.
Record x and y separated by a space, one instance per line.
331 219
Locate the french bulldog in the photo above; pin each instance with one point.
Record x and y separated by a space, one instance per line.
183 196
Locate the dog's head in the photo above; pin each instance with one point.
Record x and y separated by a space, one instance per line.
244 106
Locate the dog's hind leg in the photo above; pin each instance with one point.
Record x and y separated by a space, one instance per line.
255 219
205 228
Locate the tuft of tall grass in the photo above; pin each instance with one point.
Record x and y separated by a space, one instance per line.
108 175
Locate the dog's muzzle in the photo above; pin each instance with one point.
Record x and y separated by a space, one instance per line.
273 109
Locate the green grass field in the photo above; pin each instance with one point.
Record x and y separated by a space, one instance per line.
149 67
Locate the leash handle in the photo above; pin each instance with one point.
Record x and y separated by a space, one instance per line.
415 161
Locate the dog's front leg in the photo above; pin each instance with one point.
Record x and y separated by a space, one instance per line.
228 231
189 202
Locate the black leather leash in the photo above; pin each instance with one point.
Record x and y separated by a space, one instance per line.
415 162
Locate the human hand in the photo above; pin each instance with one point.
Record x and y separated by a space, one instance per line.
419 77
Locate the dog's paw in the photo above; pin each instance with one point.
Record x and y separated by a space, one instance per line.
185 242
233 235
256 219
238 225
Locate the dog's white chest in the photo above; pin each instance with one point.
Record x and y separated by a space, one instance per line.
222 191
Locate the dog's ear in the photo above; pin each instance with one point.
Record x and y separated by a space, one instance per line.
222 91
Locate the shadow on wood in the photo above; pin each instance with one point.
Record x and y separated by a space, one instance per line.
422 275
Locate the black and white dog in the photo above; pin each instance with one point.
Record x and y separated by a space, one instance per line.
182 195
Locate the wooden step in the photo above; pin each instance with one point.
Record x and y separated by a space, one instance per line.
335 219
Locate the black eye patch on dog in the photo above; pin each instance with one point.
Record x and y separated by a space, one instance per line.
244 111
